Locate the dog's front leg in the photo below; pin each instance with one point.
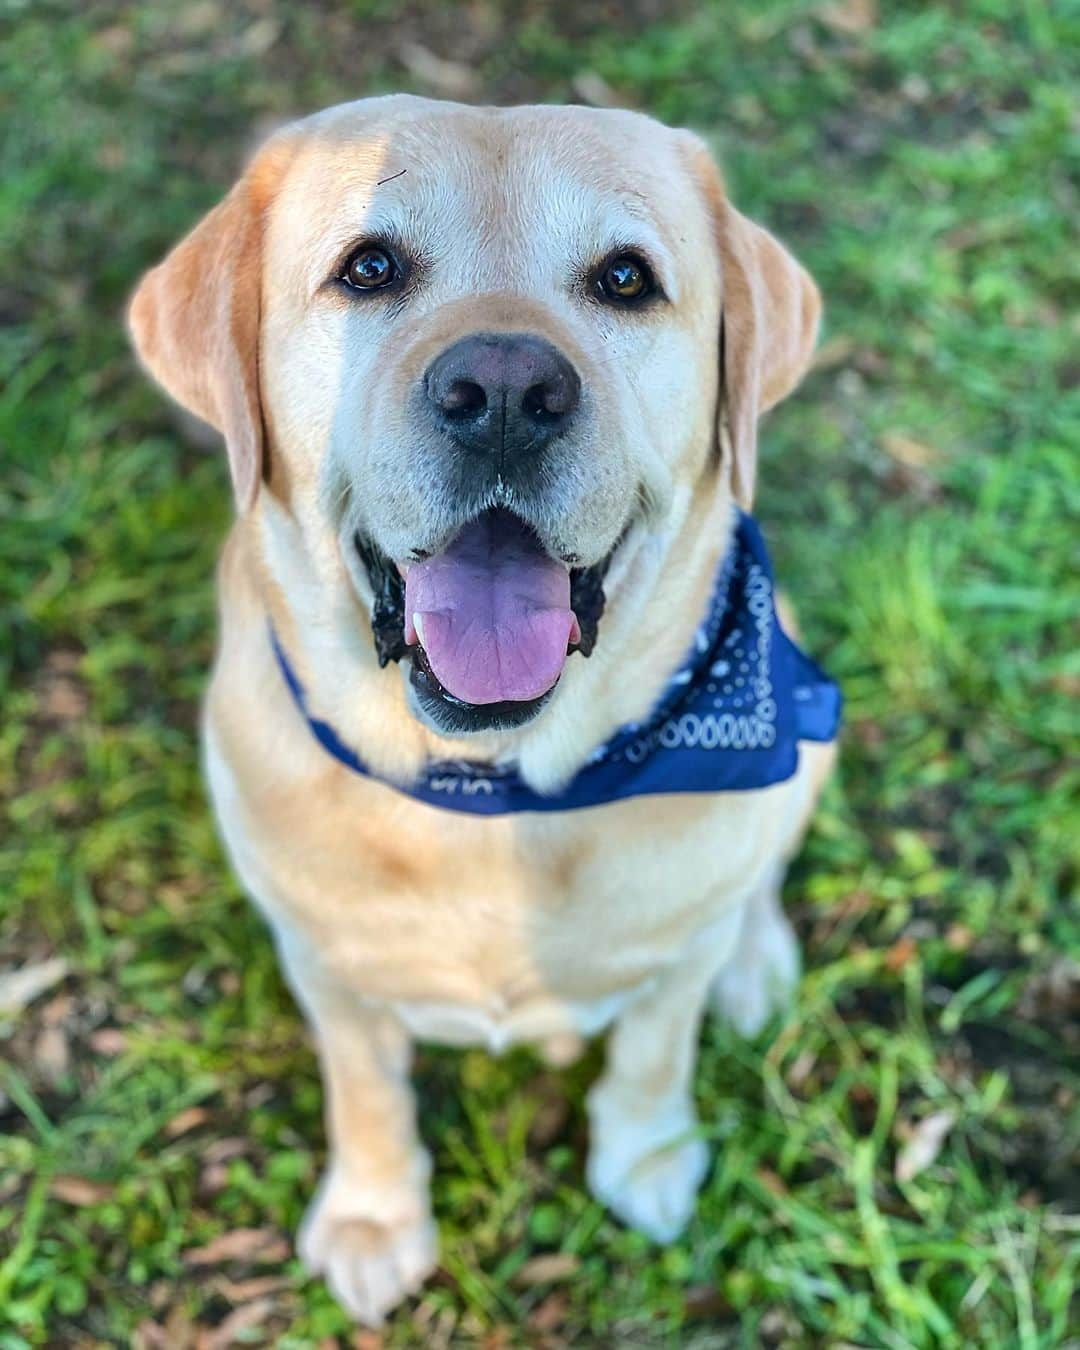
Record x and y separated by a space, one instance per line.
645 1161
369 1229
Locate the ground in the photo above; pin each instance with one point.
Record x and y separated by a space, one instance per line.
892 1165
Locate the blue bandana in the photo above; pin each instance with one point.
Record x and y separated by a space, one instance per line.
729 720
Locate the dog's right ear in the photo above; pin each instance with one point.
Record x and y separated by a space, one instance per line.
194 319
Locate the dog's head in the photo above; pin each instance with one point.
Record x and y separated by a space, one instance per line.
481 346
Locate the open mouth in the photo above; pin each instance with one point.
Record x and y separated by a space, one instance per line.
488 623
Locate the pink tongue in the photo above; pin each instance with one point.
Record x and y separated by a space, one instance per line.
494 612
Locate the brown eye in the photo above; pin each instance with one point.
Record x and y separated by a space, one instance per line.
369 268
625 278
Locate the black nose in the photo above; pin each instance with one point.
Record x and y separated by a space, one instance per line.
502 393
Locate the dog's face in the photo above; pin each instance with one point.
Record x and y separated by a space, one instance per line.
481 346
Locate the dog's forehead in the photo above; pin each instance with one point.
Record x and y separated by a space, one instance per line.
483 179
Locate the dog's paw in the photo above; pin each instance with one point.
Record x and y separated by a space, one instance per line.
647 1174
760 979
371 1255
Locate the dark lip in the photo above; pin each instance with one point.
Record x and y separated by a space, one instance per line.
448 712
454 716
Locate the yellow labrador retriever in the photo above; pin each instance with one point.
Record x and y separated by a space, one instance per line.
500 732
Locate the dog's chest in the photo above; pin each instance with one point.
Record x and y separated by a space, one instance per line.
495 931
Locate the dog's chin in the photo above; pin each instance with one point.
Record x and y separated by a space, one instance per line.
452 716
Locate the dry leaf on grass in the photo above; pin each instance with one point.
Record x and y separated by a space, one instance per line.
52 1056
706 1301
547 1269
907 450
924 1144
20 987
449 78
551 1313
850 17
186 1120
900 954
593 89
151 1335
243 1291
958 937
835 352
223 1150
240 1244
772 1181
79 1190
108 1041
228 1332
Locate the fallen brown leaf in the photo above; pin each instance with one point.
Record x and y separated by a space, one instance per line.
899 954
228 1331
958 937
802 1067
150 1335
180 1329
213 1179
849 17
79 1190
117 40
257 39
58 1009
108 1041
706 1301
551 1313
904 480
498 1338
51 1053
243 1291
772 1181
547 1269
907 450
222 1150
924 1144
264 1245
551 1115
20 987
186 1120
367 1340
593 89
833 353
449 78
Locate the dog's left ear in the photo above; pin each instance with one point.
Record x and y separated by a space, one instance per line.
770 311
194 319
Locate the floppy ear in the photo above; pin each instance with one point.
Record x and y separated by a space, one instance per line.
768 324
194 320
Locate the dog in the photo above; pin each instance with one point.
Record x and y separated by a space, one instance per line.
489 381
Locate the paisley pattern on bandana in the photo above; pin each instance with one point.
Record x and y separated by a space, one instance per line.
730 718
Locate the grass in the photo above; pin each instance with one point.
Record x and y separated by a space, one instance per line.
921 495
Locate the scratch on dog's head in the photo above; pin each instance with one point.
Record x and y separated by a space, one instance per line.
407 314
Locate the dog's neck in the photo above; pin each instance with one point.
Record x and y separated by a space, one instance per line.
658 588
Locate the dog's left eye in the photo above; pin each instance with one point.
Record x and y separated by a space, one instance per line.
369 269
625 279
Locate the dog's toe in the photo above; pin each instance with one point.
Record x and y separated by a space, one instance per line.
369 1264
647 1168
657 1195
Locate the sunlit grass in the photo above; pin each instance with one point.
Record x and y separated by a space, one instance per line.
924 168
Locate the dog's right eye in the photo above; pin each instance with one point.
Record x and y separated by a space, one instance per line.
369 269
625 279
